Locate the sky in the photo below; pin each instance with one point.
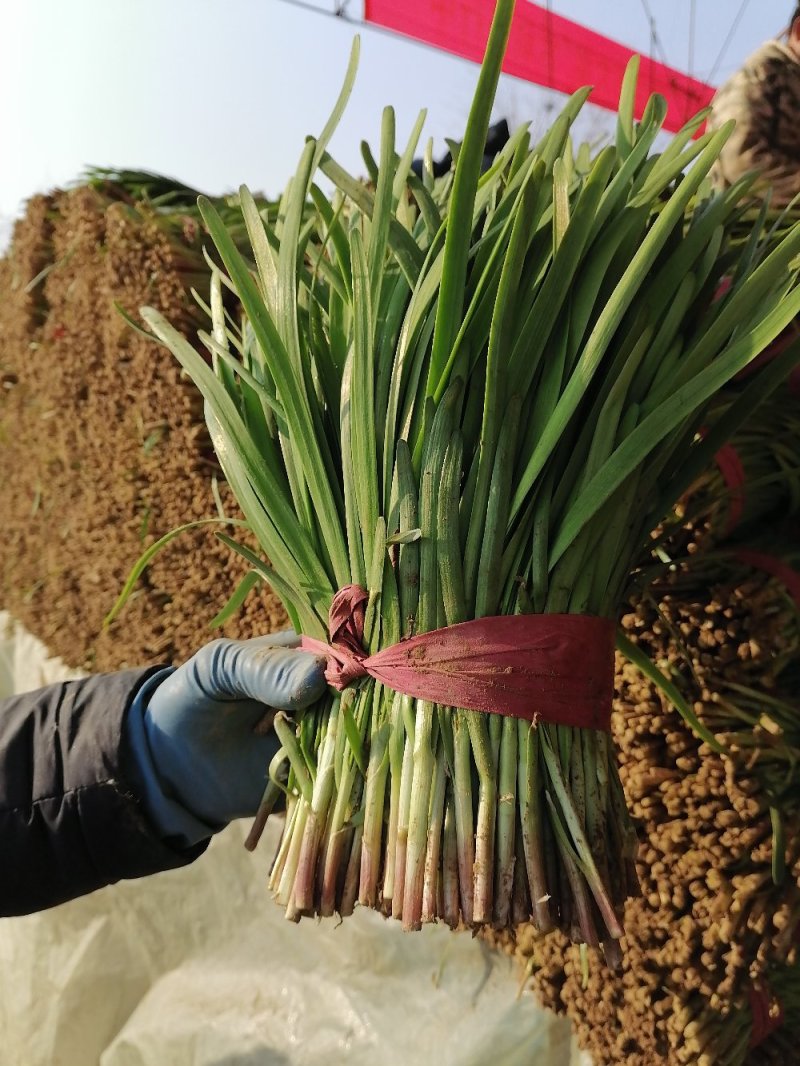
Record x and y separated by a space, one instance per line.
223 92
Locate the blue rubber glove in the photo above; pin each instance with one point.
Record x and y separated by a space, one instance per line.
198 759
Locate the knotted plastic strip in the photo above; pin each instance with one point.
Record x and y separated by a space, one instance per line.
555 668
773 566
729 464
766 1013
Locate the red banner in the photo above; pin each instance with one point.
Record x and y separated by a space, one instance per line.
544 48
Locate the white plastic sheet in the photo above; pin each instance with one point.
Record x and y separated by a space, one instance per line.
198 967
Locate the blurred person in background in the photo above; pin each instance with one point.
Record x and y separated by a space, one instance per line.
764 99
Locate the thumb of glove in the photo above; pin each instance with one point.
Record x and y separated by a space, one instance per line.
279 677
200 722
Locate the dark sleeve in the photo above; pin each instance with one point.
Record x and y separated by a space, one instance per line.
70 821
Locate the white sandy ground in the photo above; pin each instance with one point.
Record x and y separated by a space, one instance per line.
198 967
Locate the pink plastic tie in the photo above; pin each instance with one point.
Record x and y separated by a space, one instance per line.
766 1013
552 667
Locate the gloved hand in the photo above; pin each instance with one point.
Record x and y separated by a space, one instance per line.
199 726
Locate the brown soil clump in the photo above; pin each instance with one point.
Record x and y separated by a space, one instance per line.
102 442
710 925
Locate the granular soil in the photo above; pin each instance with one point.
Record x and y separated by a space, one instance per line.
102 442
710 924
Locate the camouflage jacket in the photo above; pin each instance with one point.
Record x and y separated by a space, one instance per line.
764 98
